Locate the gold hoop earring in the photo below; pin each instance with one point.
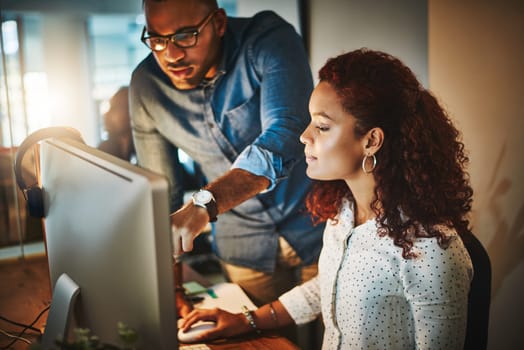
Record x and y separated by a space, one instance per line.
364 163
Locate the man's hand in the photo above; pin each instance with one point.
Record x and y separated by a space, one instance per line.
187 223
229 190
183 305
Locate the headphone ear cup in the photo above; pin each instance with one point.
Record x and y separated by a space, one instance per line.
35 201
34 194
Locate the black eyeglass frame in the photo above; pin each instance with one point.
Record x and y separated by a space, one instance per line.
194 31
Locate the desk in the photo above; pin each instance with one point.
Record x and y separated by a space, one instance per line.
259 342
266 341
25 290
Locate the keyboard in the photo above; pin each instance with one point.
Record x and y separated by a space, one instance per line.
194 347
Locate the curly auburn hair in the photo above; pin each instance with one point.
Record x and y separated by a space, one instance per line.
420 172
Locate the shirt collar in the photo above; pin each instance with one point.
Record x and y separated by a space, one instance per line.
221 69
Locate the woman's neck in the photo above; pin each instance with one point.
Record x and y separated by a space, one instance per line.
361 217
363 193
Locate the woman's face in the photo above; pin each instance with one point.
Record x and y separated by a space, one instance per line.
332 150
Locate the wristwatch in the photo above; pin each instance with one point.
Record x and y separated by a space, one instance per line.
205 199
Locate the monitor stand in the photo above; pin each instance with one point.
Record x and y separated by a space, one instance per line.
64 296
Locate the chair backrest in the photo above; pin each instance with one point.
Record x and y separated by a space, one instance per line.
479 295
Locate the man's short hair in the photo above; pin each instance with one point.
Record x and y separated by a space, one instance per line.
211 3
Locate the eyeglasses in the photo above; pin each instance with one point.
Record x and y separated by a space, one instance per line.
183 38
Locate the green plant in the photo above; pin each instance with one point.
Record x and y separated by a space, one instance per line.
84 340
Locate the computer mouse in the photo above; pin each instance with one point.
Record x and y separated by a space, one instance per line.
195 330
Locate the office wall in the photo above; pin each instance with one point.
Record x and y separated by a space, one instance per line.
72 6
286 8
398 27
476 66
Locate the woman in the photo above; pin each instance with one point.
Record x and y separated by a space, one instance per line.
392 186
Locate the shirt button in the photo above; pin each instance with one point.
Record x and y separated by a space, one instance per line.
211 125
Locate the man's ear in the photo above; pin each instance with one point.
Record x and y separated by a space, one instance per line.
220 22
373 140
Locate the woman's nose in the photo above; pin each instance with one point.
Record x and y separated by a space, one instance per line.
304 138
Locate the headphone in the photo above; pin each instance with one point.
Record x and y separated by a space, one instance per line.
34 194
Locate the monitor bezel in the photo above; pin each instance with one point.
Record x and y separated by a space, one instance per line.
62 164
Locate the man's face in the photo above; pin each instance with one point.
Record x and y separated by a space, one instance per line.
186 67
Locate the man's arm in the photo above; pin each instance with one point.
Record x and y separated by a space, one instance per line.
229 190
235 187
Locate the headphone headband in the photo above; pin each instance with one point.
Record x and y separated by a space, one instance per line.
33 194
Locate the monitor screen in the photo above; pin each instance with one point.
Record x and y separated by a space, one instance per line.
107 227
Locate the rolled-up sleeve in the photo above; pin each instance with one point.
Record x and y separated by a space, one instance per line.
261 162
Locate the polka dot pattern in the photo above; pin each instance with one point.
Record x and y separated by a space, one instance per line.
372 298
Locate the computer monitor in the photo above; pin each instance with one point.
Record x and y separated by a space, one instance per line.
107 228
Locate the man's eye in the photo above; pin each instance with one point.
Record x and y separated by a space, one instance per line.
322 127
184 36
156 40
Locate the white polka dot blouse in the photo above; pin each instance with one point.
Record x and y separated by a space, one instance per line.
370 297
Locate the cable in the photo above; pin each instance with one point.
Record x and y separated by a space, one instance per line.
19 324
19 336
9 335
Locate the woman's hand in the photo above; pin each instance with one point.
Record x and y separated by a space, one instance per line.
227 324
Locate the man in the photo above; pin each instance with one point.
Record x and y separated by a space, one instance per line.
232 94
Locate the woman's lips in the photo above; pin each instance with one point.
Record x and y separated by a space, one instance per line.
310 159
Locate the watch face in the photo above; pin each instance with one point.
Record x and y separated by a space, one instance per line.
203 197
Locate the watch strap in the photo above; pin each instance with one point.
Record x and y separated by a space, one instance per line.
212 210
211 207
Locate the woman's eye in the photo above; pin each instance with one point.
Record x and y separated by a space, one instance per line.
322 127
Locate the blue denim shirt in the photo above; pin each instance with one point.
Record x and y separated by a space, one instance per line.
250 116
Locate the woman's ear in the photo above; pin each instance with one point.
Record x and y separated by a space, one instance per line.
373 140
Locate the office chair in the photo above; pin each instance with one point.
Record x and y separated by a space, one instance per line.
479 295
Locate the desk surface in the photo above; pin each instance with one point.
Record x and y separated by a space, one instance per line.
251 342
259 342
25 291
